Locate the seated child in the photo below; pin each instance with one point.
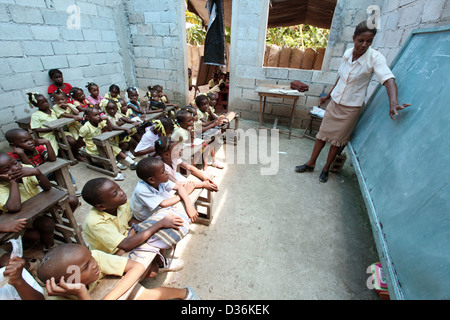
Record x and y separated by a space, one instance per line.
170 155
94 126
184 131
192 86
154 104
56 271
209 120
162 96
214 81
133 102
32 152
95 98
107 226
113 93
27 150
42 115
17 184
161 127
79 99
58 82
63 109
155 191
21 284
126 140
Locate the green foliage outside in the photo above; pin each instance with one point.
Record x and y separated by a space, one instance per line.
301 36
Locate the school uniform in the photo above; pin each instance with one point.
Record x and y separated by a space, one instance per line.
342 113
38 119
104 231
28 188
88 131
146 199
73 128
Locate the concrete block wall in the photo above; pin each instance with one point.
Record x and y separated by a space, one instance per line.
158 38
36 36
247 74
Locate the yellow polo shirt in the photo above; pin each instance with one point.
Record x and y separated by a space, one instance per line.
38 119
104 231
27 189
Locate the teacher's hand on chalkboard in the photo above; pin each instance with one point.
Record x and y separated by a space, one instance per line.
394 107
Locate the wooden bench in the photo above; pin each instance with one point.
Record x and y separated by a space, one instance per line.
24 123
145 256
54 203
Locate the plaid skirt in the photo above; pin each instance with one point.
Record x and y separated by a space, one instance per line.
338 124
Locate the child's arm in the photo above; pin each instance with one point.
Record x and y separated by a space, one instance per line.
131 242
108 123
183 194
14 271
44 183
133 272
14 203
51 156
64 289
206 183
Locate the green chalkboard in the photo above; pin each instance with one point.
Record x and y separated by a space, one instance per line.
403 167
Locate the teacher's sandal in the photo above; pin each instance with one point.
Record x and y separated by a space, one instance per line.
304 168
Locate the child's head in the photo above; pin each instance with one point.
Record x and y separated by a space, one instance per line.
167 149
212 96
8 166
189 72
184 119
202 102
111 107
59 97
103 194
123 105
20 138
61 261
132 93
152 94
192 110
56 76
77 94
159 89
92 115
38 100
114 90
93 89
152 171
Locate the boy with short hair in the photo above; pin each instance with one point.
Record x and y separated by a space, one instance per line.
57 268
28 150
155 191
107 225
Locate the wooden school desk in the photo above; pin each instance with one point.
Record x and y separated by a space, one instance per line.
277 91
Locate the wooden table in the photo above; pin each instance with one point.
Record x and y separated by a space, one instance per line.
277 91
55 202
58 130
60 167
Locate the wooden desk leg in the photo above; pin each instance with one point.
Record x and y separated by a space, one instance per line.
63 178
292 116
66 146
260 111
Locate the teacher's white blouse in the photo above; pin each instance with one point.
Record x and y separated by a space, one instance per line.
354 77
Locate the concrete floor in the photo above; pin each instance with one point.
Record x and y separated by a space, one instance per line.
283 236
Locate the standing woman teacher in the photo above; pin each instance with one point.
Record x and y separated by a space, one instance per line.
342 113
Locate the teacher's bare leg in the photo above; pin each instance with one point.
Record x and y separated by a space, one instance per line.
331 155
318 146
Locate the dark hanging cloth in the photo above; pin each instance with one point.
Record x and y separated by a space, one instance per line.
215 34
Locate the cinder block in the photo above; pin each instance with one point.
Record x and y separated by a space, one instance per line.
54 62
12 31
152 17
66 47
45 32
11 49
77 61
52 18
109 35
37 48
91 34
22 14
29 64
